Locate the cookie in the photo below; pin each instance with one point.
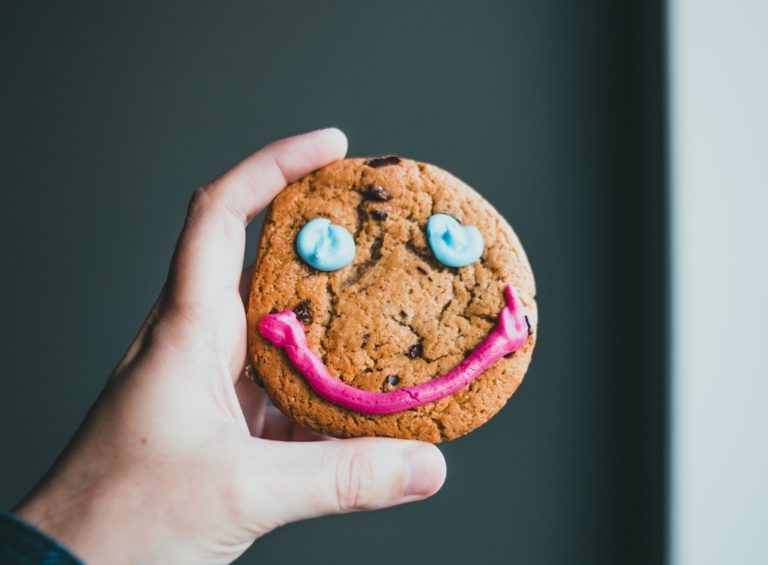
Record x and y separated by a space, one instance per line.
389 299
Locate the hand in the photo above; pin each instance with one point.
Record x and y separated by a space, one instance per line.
179 460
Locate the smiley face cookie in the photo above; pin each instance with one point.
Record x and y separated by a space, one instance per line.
390 299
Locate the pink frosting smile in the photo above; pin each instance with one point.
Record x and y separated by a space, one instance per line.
285 331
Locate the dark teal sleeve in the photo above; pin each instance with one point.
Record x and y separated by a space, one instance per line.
22 544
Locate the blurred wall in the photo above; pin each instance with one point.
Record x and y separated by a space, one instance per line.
112 115
719 184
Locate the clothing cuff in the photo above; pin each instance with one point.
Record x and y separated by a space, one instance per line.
23 544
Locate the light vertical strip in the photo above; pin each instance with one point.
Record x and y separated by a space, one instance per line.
718 102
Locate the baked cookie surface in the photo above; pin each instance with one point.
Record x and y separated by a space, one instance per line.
395 317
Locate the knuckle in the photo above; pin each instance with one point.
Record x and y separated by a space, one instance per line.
355 484
210 199
199 201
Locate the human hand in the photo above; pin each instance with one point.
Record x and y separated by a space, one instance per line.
180 460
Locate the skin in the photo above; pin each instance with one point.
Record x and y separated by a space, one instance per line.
179 460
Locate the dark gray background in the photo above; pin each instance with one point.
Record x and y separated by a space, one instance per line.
112 115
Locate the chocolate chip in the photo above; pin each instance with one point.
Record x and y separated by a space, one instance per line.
376 192
415 351
422 270
254 376
528 323
392 380
379 215
383 161
303 311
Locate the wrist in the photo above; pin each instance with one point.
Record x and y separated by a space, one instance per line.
95 521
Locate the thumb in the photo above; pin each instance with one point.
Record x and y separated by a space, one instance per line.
305 480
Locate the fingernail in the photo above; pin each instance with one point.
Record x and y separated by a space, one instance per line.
423 466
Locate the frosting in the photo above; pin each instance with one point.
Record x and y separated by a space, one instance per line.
325 246
285 331
452 244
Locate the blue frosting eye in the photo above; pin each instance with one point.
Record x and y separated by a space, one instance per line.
452 244
325 246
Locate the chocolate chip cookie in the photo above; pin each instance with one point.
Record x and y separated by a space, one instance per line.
389 299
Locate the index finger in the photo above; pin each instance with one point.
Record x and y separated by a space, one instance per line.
209 254
249 186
